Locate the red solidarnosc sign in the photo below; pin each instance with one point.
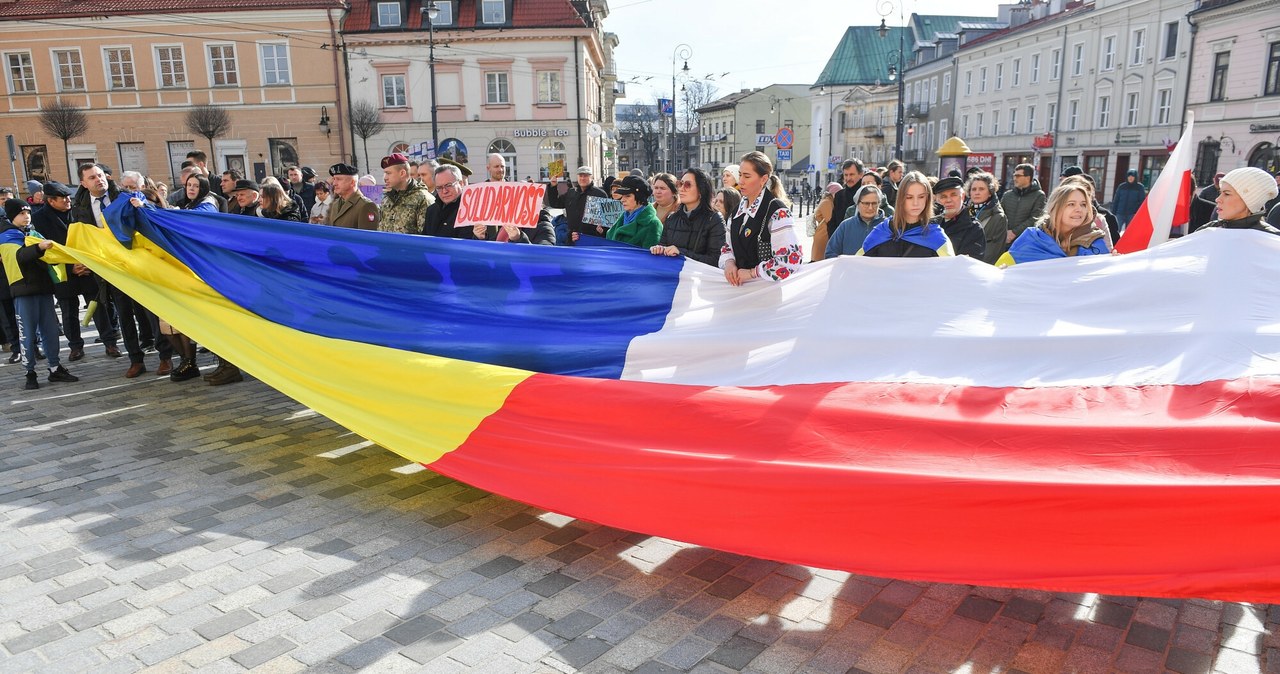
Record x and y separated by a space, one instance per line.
501 204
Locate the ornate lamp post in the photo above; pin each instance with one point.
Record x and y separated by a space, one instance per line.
431 12
897 68
682 52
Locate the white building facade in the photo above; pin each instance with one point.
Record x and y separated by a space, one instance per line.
1235 86
1099 85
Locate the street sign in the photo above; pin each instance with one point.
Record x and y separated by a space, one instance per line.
667 106
784 138
834 161
784 155
763 139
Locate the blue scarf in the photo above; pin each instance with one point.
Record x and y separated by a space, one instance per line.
928 235
1035 244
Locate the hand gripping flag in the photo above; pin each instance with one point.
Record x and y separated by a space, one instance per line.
1168 204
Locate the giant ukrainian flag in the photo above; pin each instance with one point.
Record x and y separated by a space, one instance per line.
1103 424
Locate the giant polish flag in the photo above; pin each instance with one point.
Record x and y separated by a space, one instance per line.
1097 424
1168 204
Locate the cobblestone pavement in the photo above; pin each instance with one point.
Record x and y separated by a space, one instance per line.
150 525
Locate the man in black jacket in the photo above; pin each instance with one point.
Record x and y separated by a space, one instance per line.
440 215
574 202
52 222
851 173
967 237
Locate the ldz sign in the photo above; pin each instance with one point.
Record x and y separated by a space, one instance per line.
540 133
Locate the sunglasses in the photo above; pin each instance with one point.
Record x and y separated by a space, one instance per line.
686 184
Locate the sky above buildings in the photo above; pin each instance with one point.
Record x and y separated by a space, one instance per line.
746 43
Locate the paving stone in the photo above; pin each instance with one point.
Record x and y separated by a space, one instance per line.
413 630
737 653
225 624
36 638
78 590
978 608
259 653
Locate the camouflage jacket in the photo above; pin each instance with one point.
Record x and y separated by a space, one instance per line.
404 210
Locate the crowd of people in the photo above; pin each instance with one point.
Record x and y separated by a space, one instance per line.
743 224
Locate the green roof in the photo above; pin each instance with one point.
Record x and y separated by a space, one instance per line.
862 57
927 26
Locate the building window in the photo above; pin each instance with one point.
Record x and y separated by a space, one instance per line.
1073 114
388 14
1271 83
982 80
222 64
977 131
549 86
933 90
999 76
393 92
275 64
445 17
942 131
1055 64
946 87
1170 40
173 69
964 125
493 11
496 90
1077 59
760 124
1031 119
1035 68
1013 120
504 147
995 122
1218 88
1017 72
1108 53
22 75
1164 105
70 70
1104 112
1131 109
968 83
1052 119
120 74
550 151
1139 46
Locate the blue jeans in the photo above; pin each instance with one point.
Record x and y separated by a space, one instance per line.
36 315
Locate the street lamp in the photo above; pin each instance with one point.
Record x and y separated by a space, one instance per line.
682 52
897 68
431 12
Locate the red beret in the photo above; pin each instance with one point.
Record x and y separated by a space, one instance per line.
392 160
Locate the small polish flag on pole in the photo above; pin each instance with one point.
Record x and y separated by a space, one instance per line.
1168 204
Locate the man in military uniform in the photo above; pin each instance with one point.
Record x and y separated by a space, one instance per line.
406 199
350 208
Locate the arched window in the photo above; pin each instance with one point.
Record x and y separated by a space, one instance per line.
550 151
508 151
398 146
1265 156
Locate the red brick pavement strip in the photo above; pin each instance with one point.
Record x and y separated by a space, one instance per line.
202 531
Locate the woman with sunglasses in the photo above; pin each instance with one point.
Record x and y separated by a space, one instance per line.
694 229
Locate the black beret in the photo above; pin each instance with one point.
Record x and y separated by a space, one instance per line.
1071 171
343 170
948 183
54 188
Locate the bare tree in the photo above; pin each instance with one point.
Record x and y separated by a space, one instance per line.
643 122
696 94
366 122
209 121
66 121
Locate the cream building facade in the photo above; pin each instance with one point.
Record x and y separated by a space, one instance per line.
136 74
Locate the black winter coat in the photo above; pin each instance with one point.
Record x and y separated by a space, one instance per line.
574 203
967 237
698 238
36 279
439 220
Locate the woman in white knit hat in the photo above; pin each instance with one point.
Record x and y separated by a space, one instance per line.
1244 194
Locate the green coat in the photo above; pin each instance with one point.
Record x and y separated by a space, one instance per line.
644 231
